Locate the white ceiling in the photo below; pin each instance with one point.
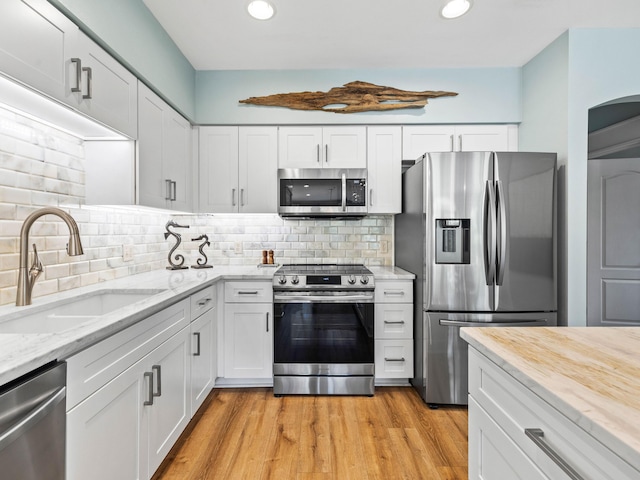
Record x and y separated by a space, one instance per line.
328 34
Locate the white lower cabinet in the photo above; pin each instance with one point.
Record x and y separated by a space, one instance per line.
248 330
131 395
502 410
393 330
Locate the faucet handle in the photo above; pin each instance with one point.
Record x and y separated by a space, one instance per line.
36 267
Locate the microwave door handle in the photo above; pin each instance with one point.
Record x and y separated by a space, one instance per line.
344 192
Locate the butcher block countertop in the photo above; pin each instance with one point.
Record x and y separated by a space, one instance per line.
590 375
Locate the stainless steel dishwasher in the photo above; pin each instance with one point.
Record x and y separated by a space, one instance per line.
32 425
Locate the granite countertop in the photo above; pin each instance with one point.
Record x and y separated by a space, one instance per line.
590 375
21 353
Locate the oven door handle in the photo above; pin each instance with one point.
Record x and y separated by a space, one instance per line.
321 298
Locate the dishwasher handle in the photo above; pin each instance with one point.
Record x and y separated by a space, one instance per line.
25 423
522 323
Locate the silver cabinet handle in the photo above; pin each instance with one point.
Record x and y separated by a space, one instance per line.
246 292
174 190
149 400
452 146
267 322
318 153
158 370
537 436
89 94
203 302
233 197
460 142
197 352
167 184
371 197
242 197
326 153
78 63
399 322
399 293
401 359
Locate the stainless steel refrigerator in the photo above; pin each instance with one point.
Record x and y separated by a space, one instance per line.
478 229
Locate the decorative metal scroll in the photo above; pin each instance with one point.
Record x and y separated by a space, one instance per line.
355 96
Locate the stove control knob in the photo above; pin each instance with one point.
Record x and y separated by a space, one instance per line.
351 280
295 280
282 280
364 279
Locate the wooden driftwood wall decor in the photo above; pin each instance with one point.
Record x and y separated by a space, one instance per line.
356 96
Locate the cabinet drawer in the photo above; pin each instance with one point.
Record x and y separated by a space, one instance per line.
394 320
516 408
92 368
398 291
202 301
394 359
248 292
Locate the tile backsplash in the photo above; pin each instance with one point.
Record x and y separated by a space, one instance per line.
42 166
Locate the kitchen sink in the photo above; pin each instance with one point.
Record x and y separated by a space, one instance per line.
68 313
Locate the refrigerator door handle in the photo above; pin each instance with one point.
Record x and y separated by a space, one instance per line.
489 233
524 323
502 229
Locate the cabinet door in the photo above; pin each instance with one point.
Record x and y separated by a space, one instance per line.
170 412
384 164
482 138
258 169
176 164
37 43
202 355
420 139
300 147
152 189
218 160
109 92
394 358
394 320
492 453
104 432
344 147
248 340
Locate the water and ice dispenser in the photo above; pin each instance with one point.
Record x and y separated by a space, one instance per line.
452 240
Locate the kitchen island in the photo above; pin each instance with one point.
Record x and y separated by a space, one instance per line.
575 390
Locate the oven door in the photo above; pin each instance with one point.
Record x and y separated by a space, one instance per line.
323 333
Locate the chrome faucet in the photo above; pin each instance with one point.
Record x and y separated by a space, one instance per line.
27 279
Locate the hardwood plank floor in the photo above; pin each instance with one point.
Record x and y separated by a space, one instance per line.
248 434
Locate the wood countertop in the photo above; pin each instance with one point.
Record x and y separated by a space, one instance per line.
590 375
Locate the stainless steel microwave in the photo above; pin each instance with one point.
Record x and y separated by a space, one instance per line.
322 192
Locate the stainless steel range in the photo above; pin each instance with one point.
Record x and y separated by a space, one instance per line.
323 330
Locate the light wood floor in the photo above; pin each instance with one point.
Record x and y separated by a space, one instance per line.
248 434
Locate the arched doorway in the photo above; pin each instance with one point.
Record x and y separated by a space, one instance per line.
613 214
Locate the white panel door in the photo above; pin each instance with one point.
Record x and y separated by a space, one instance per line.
384 169
482 138
202 355
105 431
420 139
152 188
344 147
177 160
300 147
171 411
248 340
258 169
37 43
218 161
613 250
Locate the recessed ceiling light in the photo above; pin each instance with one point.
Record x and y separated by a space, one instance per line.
260 10
455 8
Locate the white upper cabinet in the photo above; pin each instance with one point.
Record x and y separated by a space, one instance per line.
420 139
384 164
46 51
37 43
238 169
164 154
322 147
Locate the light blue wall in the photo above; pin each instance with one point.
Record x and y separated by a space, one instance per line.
135 37
544 127
582 69
486 95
